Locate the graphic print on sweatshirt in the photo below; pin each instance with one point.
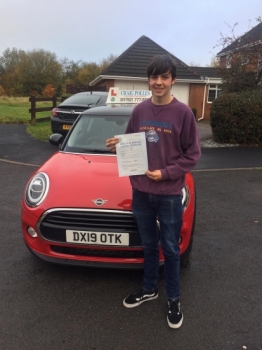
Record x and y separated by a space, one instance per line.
154 127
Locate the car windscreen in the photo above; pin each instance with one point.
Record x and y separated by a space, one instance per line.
91 131
81 99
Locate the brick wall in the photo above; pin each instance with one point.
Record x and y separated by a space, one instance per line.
223 62
207 109
196 96
252 65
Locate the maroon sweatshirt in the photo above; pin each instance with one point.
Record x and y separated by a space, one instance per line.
173 145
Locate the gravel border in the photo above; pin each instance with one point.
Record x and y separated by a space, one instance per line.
210 143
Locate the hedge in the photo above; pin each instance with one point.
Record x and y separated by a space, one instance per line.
237 118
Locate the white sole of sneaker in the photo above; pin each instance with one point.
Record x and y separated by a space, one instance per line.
177 325
130 306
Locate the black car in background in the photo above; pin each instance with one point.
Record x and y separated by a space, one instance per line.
64 115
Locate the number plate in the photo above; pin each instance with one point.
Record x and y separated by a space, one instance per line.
98 238
67 127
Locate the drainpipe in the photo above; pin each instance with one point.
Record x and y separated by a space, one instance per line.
204 100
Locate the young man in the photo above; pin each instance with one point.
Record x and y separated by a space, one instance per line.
173 150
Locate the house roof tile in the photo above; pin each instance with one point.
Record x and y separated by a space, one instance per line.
252 36
210 72
134 60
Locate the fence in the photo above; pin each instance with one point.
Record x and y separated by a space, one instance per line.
70 88
33 110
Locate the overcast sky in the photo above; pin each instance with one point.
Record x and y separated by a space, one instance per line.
90 30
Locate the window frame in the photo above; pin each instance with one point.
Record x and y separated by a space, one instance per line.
217 89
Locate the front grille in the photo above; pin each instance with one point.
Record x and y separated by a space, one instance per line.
127 254
93 220
54 224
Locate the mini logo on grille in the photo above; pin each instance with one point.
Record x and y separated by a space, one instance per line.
99 201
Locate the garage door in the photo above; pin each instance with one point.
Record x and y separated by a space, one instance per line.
181 92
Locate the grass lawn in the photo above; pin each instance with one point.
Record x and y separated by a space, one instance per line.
15 110
41 131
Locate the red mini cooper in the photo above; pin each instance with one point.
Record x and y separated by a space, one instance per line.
76 209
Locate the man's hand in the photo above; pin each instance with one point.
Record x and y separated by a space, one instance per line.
111 144
154 175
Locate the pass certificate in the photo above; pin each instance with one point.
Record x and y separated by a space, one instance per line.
132 154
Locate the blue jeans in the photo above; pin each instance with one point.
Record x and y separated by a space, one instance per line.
168 210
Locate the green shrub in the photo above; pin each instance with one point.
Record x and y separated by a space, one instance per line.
65 96
237 117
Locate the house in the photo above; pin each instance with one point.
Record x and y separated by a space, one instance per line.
212 79
195 86
249 46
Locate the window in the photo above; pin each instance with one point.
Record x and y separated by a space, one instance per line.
213 92
245 59
228 61
82 99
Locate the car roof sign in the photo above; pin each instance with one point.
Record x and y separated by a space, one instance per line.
127 97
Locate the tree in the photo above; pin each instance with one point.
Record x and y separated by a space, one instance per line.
194 64
39 68
236 115
214 62
70 70
9 59
9 71
105 62
87 73
49 90
243 58
2 91
24 73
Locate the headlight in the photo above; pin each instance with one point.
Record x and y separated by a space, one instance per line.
37 189
185 196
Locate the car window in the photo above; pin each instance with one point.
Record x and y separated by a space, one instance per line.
82 99
102 101
91 132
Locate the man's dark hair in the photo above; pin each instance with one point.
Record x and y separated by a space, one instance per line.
161 64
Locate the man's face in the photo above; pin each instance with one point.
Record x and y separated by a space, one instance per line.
161 84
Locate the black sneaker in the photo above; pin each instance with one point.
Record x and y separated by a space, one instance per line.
139 297
174 315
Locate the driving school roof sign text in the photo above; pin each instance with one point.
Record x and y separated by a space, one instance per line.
117 96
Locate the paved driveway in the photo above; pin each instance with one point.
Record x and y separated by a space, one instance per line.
52 307
16 145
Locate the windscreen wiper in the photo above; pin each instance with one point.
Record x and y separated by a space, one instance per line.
95 150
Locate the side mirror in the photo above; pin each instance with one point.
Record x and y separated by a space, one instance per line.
56 139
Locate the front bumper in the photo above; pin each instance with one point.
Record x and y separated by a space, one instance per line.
74 262
93 256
